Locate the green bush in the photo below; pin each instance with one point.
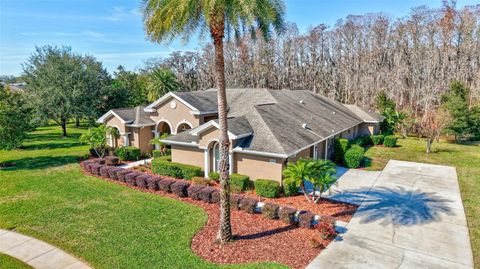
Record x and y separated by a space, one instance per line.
239 182
128 153
267 188
177 170
167 158
390 141
214 176
362 141
341 145
354 156
377 139
156 153
289 188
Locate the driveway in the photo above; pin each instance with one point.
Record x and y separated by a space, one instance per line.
410 216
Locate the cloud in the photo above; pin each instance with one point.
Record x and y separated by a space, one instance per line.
119 13
134 54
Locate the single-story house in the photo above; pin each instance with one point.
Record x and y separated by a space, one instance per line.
267 128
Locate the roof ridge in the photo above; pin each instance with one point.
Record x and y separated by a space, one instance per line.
268 128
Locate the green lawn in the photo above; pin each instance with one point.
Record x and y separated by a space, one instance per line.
466 158
107 225
7 262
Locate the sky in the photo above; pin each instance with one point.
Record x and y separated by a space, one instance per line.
112 30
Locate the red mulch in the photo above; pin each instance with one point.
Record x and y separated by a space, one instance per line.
258 239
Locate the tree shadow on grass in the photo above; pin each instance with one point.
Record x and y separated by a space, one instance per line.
266 233
51 146
397 206
40 162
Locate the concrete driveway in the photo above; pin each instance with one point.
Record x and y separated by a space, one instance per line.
410 216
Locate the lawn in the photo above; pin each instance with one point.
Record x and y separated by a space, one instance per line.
107 225
7 262
466 158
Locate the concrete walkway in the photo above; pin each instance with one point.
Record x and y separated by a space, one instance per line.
135 164
36 253
410 216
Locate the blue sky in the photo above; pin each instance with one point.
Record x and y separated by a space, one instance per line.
112 30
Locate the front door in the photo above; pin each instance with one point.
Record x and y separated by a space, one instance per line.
216 157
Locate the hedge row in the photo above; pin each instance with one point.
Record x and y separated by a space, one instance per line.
176 170
128 153
207 194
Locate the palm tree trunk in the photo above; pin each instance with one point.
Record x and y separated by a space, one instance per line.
225 231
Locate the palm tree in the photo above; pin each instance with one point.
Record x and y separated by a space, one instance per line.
158 141
160 82
322 177
169 19
298 173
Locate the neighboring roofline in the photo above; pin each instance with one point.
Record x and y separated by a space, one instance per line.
170 142
108 114
259 153
211 123
152 106
195 112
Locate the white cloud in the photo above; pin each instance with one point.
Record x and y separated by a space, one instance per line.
120 13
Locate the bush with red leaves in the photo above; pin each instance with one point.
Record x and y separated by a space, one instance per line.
112 172
85 163
206 194
235 201
104 171
248 205
194 191
305 219
88 167
141 181
130 178
270 211
95 169
112 160
180 188
165 184
287 214
99 160
215 197
121 174
326 229
152 183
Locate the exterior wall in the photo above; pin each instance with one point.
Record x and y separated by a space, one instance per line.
144 136
208 118
368 128
188 155
350 133
175 115
115 122
258 166
207 136
306 153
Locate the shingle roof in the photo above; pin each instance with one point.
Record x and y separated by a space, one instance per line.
365 115
134 117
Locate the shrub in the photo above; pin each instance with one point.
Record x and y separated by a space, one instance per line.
165 184
206 194
104 171
141 181
267 188
215 197
167 158
340 146
354 156
305 219
270 211
88 167
153 183
239 182
377 139
96 168
328 219
235 201
202 181
327 230
180 188
176 170
362 141
287 214
390 141
121 174
112 173
194 191
316 243
248 205
156 153
289 188
112 160
128 153
99 160
130 178
85 163
214 175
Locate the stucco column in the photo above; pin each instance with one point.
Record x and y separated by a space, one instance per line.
126 141
315 152
206 162
110 140
326 149
230 161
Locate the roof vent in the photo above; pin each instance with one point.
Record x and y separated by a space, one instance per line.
333 112
302 102
304 126
333 131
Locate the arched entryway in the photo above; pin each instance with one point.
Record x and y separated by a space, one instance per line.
114 137
163 127
183 127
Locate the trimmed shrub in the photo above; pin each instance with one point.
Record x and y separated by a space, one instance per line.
248 205
157 153
165 184
267 188
377 139
287 214
104 171
215 197
180 188
130 178
167 158
270 211
305 219
340 146
289 188
239 182
390 141
121 174
88 167
99 160
177 170
328 219
362 141
202 181
141 181
112 160
96 168
194 191
152 183
112 173
235 201
206 194
214 175
85 163
354 156
129 153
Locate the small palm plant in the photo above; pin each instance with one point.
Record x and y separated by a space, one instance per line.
298 173
161 145
97 138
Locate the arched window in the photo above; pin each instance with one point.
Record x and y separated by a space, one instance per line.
216 156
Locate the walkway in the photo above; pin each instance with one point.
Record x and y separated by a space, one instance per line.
410 216
36 253
135 164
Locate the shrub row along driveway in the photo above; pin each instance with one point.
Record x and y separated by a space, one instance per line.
410 216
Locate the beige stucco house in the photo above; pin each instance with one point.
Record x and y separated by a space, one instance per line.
267 128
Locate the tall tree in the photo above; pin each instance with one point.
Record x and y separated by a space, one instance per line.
169 19
128 89
160 82
456 102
